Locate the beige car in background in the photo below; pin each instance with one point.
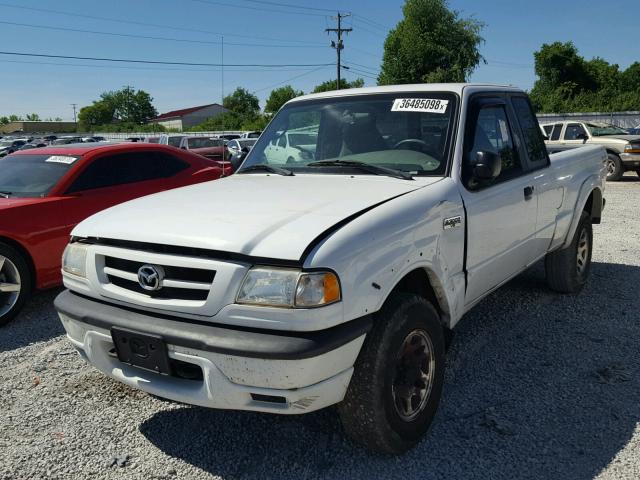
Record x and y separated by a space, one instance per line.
623 150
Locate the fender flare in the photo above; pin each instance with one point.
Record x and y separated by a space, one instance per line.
591 184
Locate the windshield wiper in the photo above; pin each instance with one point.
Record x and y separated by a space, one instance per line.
266 168
5 194
368 167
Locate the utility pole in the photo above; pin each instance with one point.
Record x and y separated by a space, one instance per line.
339 45
74 105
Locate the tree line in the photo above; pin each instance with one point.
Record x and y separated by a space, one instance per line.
29 117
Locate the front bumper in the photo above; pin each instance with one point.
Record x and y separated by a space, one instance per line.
242 369
630 160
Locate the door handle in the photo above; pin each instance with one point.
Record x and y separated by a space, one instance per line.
528 192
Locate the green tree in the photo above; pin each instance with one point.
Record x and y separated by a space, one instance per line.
100 113
279 97
33 117
222 121
330 85
242 103
432 43
15 118
130 105
568 83
4 120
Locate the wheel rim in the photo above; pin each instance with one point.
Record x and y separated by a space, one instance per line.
611 167
414 375
583 252
10 285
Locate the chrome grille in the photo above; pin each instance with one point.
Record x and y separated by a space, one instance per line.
179 283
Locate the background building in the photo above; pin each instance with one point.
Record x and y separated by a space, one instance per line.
188 117
38 127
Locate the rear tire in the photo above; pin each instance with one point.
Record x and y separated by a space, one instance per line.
397 382
15 282
568 269
614 168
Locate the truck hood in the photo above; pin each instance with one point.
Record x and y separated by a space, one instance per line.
268 216
622 138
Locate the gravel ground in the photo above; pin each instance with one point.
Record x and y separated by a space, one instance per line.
538 385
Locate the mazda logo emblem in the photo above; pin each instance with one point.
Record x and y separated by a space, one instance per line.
150 277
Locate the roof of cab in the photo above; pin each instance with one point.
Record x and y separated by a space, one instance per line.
417 87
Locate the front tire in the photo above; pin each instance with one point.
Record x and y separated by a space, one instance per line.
15 282
397 382
614 168
568 269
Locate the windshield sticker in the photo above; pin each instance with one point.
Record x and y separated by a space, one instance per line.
61 159
429 105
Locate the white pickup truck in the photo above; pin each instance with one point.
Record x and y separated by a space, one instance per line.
334 279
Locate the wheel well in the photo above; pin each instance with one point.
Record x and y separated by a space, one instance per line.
612 152
419 283
594 205
25 253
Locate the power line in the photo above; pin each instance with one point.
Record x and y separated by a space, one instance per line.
375 70
148 37
288 80
373 23
360 72
164 69
377 55
253 8
153 25
158 62
289 5
339 45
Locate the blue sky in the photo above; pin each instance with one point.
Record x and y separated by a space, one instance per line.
47 86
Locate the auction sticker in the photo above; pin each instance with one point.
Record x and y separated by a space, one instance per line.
429 105
61 159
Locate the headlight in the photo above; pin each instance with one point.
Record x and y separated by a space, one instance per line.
632 148
290 288
74 259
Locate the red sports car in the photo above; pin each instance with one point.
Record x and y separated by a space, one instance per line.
45 193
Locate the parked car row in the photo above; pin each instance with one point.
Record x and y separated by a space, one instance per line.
623 149
9 145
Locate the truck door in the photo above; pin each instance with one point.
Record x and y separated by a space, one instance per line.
575 135
501 214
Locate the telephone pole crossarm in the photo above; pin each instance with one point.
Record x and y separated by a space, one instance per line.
339 45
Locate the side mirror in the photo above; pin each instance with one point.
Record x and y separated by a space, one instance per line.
582 136
487 165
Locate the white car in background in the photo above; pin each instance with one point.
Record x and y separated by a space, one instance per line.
292 146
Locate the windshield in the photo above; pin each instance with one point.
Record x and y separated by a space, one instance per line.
246 143
408 131
32 175
600 130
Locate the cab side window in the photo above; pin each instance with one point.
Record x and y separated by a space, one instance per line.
574 131
492 133
555 134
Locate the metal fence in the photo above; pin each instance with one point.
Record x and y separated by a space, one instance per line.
621 119
124 136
